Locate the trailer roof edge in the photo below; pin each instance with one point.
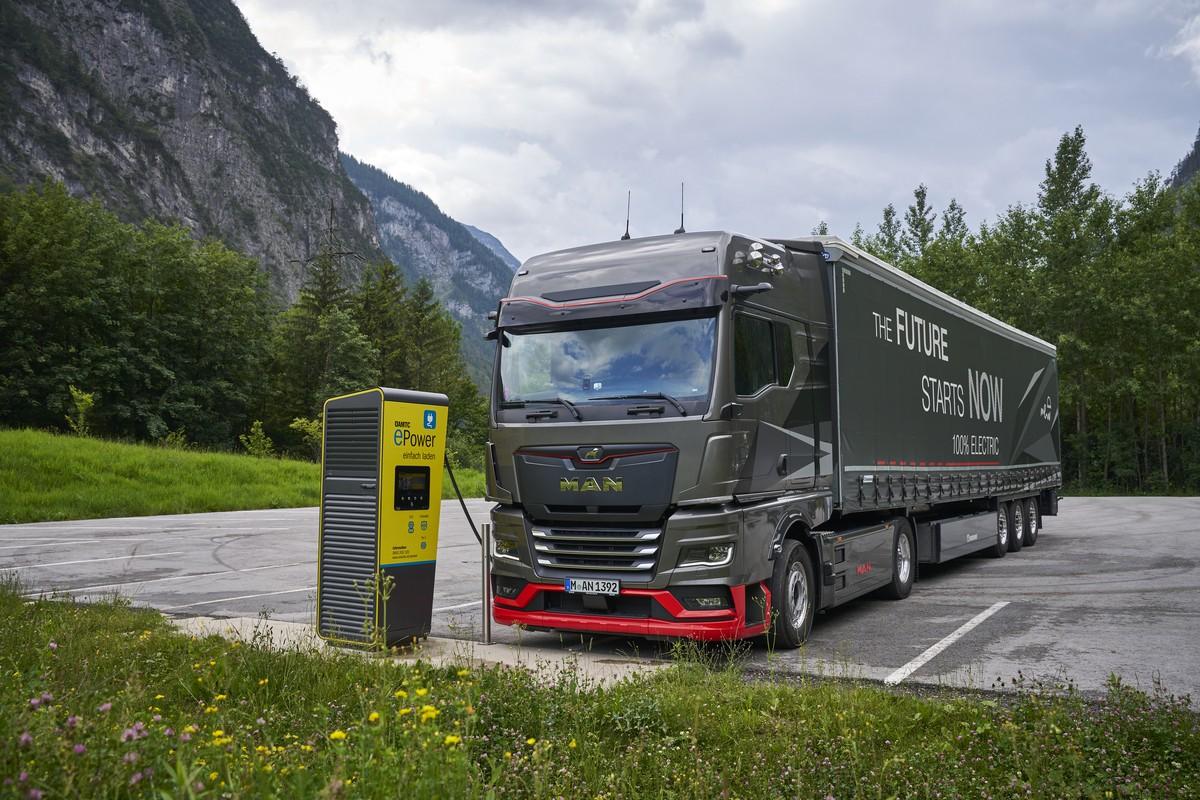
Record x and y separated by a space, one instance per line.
827 241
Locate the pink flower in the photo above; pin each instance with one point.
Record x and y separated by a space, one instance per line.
53 645
135 779
79 749
47 698
35 794
131 757
185 737
35 702
72 721
168 731
104 708
25 739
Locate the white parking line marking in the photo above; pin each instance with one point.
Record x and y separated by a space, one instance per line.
921 660
95 587
239 597
460 605
93 560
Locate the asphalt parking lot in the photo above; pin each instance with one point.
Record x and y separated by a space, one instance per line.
1112 587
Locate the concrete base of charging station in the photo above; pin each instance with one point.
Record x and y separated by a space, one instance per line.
280 635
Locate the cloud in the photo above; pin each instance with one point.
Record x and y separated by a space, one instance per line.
532 119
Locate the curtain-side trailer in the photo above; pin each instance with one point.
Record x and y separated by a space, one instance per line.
709 435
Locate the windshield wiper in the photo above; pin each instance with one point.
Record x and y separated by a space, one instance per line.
567 403
647 396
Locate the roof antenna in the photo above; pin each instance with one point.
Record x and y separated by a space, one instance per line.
628 194
680 229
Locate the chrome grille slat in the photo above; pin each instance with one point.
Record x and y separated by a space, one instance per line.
562 551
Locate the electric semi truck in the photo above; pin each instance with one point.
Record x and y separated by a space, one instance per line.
712 436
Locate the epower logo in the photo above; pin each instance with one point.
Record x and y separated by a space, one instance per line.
405 437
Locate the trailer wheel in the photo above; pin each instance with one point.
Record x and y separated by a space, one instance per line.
904 562
793 596
1016 525
1032 522
1003 527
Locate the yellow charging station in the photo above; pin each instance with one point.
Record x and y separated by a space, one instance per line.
381 490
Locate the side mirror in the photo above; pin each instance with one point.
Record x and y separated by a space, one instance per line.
745 290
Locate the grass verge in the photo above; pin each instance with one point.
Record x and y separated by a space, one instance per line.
108 701
48 476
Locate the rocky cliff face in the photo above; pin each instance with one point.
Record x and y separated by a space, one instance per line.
171 109
465 273
495 245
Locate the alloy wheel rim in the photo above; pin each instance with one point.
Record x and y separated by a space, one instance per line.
1002 527
903 559
797 588
1018 519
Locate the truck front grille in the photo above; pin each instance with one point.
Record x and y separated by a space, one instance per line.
631 551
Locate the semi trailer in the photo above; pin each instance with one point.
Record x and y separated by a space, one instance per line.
712 436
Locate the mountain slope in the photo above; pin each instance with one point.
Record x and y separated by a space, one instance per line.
1188 166
495 245
172 109
466 275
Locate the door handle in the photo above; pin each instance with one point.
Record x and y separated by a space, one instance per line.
781 466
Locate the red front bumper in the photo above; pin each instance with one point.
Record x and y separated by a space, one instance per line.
729 623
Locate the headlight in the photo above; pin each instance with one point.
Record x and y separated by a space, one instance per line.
505 546
713 555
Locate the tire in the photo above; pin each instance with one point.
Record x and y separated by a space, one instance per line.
1033 522
1016 525
793 596
1003 528
904 562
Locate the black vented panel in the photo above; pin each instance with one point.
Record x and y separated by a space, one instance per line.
352 442
348 521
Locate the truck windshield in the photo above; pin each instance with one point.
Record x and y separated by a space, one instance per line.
580 365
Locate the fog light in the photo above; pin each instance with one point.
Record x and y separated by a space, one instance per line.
713 555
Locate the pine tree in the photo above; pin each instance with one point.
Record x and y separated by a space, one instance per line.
918 227
885 244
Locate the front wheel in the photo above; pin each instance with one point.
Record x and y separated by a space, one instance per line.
793 596
904 562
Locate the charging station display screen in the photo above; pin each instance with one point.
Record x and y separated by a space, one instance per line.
412 488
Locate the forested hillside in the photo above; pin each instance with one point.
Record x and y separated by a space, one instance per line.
1113 282
428 245
1185 171
171 110
141 332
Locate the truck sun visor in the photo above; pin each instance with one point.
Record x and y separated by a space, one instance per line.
683 294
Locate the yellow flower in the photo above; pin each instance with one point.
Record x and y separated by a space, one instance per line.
264 681
338 735
219 698
373 716
422 692
531 740
401 694
211 709
218 733
404 711
160 697
452 740
428 713
462 673
507 754
572 744
190 729
212 776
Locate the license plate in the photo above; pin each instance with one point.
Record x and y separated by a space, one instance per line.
592 586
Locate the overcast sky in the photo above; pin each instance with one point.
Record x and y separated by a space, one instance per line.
531 119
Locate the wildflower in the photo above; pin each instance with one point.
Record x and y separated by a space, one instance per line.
428 713
47 698
25 739
131 757
185 737
462 673
104 708
572 744
452 740
531 741
135 779
264 681
212 776
53 645
35 794
422 692
217 734
219 698
168 731
401 694
338 735
260 721
404 711
35 702
72 721
79 749
373 716
211 709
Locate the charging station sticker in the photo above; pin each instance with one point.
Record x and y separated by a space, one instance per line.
414 446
